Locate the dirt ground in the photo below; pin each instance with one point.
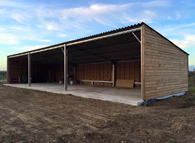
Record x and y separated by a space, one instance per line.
34 116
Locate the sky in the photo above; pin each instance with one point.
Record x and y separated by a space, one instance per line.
31 24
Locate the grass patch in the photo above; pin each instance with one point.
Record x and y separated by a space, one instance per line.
190 101
85 127
191 85
191 81
192 90
173 141
33 126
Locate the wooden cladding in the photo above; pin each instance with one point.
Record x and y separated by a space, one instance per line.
165 66
101 71
129 71
124 71
18 68
57 72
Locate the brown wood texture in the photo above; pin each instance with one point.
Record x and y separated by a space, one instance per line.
129 71
102 71
18 68
125 83
165 66
143 61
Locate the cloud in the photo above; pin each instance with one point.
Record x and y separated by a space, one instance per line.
18 17
42 40
3 11
49 26
8 39
188 41
2 29
28 48
11 39
145 16
33 38
7 3
18 28
54 18
182 29
156 3
35 22
95 9
62 35
104 14
4 53
99 13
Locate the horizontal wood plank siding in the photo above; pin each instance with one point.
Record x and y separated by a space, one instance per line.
165 66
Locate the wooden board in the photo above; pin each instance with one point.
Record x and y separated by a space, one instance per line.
129 71
125 83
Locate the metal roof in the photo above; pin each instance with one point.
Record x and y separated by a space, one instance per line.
103 47
109 49
85 38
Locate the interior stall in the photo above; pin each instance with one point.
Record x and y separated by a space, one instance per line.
112 61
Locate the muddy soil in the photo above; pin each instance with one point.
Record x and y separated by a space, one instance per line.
34 116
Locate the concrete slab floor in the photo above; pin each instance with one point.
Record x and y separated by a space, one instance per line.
114 94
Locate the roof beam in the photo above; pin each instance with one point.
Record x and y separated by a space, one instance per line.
137 58
136 37
104 36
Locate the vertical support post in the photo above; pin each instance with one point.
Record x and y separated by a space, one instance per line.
65 68
142 63
74 72
29 70
188 73
114 74
8 69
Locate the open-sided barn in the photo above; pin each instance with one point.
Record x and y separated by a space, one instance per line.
136 61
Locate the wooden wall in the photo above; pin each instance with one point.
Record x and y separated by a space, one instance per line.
124 70
102 71
57 72
129 71
165 66
18 68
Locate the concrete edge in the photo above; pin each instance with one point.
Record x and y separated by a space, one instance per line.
132 103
